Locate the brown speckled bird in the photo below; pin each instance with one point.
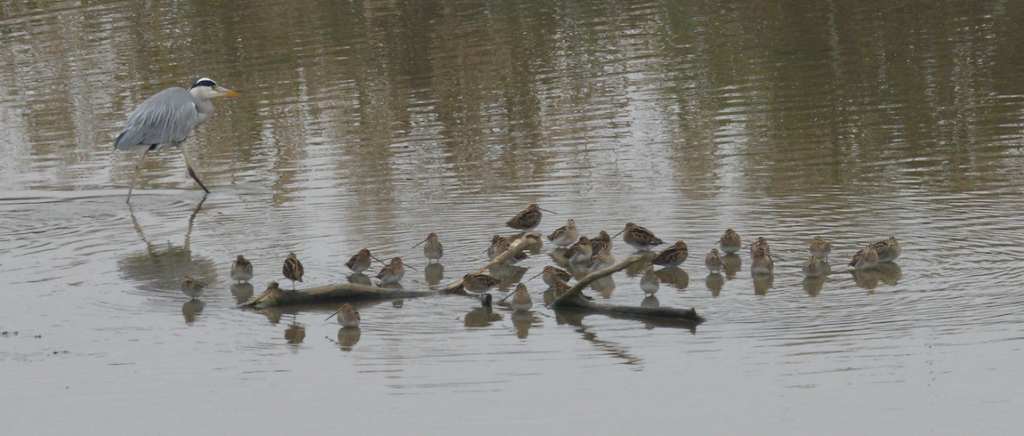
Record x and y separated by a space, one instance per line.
820 248
292 269
348 316
552 275
566 235
528 219
888 250
521 300
580 251
672 256
714 261
866 258
814 267
241 270
639 237
192 287
479 283
393 272
360 262
730 242
762 263
433 250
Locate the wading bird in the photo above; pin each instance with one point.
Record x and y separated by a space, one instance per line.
241 270
192 287
639 237
714 261
820 248
566 235
433 250
348 316
292 269
393 272
528 219
167 119
730 242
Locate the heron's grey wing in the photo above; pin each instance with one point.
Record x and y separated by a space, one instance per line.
165 118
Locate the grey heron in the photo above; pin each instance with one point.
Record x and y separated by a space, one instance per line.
167 118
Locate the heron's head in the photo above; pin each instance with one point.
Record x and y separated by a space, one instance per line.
206 88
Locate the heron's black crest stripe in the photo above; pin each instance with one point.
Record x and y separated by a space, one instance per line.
204 82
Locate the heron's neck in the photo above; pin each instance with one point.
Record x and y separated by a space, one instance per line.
203 106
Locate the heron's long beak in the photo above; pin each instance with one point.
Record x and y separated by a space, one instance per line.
228 92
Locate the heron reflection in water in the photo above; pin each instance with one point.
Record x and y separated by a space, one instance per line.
158 270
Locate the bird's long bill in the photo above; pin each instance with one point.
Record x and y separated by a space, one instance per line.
538 275
548 211
409 266
335 313
421 243
617 234
378 260
228 92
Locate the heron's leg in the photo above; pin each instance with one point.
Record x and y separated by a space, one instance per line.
188 164
138 167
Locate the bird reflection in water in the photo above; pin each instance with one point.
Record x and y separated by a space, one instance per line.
637 269
884 272
295 333
674 276
812 285
242 292
522 321
889 273
650 301
393 286
359 279
714 282
191 309
558 257
481 317
433 274
733 262
762 283
507 274
604 286
577 270
348 337
159 269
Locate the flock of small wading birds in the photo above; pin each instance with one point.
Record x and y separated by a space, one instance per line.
594 253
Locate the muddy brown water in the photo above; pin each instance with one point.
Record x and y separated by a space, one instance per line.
371 124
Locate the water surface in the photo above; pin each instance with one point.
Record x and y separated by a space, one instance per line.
371 124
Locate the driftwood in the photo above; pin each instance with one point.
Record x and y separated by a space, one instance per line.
573 298
339 292
356 292
521 243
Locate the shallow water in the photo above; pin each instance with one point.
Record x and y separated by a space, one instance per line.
371 124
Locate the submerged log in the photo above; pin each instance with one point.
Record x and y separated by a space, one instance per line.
573 298
357 292
341 292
